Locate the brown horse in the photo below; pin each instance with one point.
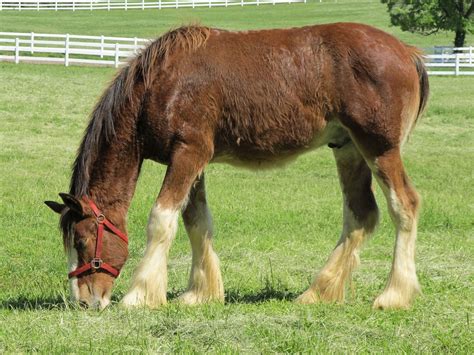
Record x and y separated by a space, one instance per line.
257 99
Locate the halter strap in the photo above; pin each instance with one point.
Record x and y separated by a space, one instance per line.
97 263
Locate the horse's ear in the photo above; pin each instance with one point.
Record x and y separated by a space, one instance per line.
56 207
72 202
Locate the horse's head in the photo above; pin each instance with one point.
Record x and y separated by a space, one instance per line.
95 246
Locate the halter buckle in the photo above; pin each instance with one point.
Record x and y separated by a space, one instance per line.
101 218
96 263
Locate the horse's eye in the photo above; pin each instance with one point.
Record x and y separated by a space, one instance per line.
80 244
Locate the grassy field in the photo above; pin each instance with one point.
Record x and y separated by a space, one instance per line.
269 225
152 23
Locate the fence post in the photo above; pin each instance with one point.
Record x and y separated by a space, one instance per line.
470 54
226 3
456 68
32 46
116 55
102 46
19 5
0 5
73 5
241 2
91 5
66 52
195 5
159 4
55 6
143 4
108 5
258 2
17 50
37 5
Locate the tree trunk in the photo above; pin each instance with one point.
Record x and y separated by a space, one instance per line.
460 37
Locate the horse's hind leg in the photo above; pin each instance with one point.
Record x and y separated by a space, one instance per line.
360 215
403 205
149 282
205 282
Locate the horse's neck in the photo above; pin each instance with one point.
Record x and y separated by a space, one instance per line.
114 177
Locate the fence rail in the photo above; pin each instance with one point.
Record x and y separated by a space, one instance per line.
76 5
68 49
114 51
455 61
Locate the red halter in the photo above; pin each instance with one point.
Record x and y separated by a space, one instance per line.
96 263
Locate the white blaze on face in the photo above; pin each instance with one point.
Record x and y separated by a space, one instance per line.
73 261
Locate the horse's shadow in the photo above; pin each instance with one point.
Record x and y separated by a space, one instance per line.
235 296
23 303
263 295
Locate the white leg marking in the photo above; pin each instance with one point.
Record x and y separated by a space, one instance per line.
329 284
205 281
402 285
150 280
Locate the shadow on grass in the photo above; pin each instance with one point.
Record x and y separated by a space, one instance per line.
265 294
22 303
232 296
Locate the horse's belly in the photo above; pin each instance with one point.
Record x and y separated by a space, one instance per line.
256 157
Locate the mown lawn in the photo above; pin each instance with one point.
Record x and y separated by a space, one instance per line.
274 229
152 23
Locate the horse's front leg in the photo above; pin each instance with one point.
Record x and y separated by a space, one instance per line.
150 279
205 281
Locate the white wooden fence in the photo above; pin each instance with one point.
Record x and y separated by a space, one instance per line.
67 49
114 51
73 5
458 61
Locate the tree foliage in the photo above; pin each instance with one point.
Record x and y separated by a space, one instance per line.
430 16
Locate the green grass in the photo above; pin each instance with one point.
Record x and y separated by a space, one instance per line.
274 229
152 23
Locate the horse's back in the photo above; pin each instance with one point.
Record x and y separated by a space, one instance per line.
273 92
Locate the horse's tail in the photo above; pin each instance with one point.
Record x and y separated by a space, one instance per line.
423 79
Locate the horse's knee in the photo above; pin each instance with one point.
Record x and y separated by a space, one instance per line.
162 224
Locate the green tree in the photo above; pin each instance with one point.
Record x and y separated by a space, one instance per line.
430 16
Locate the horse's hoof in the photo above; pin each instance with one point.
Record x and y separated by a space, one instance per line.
132 300
193 298
136 299
391 299
189 298
307 297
